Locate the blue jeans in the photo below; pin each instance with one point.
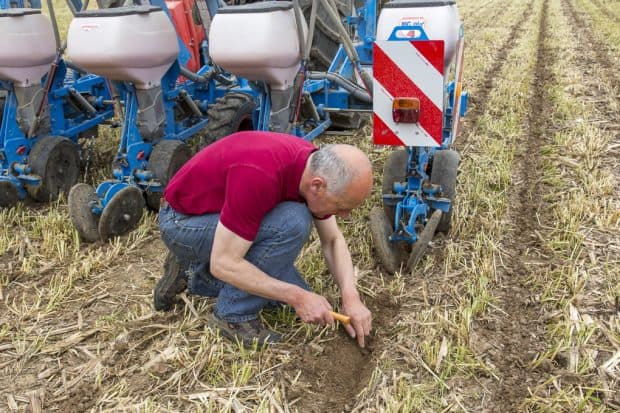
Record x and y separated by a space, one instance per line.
282 234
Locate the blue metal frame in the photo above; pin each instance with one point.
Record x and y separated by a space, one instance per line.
130 165
65 119
415 198
12 4
329 95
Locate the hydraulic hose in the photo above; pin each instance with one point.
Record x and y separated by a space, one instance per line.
300 28
313 11
347 44
356 91
195 77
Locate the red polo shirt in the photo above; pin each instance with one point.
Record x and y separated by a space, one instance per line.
242 176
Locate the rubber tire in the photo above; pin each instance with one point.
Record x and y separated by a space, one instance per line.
325 45
167 158
444 170
389 254
84 221
57 161
426 236
394 170
231 113
325 41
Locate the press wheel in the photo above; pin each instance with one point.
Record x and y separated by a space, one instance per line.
85 222
122 213
390 254
57 161
425 237
444 170
167 158
394 170
8 194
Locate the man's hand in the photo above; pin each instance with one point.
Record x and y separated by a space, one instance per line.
313 308
361 319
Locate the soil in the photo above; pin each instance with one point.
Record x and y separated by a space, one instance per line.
515 339
336 371
332 372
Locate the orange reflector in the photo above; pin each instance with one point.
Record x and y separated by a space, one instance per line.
406 110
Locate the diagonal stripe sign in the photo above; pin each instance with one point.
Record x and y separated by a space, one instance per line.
411 69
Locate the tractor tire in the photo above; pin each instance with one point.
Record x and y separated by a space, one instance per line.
57 161
325 42
394 170
231 113
167 158
444 170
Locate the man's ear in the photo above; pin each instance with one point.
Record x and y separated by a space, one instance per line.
317 184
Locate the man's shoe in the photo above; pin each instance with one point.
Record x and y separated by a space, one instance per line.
173 282
246 333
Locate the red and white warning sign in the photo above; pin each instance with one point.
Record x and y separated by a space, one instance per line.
408 69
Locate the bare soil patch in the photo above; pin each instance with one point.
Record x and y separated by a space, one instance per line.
515 336
337 370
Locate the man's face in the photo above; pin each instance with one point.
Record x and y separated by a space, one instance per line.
323 203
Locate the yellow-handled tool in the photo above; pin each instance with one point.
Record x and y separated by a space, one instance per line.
344 319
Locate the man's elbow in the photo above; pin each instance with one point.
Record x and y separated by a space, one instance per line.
217 267
221 268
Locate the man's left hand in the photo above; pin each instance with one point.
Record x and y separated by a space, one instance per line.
361 319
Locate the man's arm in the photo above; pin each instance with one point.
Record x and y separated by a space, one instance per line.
340 265
229 265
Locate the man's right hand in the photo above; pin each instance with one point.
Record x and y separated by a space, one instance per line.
313 308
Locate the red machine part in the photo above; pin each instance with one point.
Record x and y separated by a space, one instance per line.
408 92
189 30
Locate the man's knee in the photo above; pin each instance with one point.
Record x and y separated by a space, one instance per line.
294 218
288 221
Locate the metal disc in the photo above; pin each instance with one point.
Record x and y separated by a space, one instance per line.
389 253
8 194
85 222
426 236
122 213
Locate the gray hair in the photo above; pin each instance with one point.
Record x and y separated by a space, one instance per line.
328 165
